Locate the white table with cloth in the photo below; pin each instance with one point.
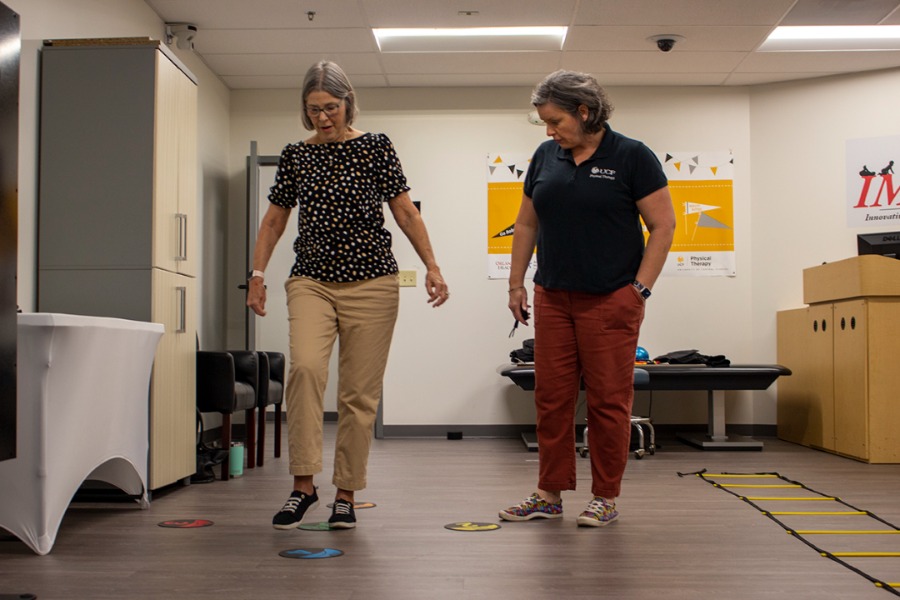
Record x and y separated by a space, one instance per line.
83 413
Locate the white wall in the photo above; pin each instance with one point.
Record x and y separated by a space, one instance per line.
799 209
48 19
788 143
443 361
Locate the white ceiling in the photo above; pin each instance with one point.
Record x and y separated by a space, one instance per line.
257 44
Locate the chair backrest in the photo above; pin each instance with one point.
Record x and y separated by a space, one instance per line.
227 381
272 378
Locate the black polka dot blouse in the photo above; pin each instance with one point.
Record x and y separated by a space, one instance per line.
340 189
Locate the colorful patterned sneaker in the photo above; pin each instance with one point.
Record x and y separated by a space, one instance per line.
599 512
342 515
533 507
297 506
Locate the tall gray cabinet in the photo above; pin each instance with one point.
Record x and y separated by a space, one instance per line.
9 224
118 196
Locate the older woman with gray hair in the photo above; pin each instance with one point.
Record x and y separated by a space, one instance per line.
343 285
585 194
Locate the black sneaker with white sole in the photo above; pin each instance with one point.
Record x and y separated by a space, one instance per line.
297 506
342 515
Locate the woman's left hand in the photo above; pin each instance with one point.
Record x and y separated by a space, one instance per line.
436 287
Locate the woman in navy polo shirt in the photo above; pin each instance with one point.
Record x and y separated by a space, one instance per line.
585 194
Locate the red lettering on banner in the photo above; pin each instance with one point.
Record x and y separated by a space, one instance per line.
886 186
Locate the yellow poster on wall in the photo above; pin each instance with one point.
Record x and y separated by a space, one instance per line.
702 188
505 176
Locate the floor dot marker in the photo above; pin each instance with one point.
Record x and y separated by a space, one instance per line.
324 526
186 523
310 553
471 526
357 505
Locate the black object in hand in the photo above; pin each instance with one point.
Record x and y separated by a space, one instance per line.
525 315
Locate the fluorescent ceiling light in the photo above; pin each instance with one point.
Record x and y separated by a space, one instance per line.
472 39
833 38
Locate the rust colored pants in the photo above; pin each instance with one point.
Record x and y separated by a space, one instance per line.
591 337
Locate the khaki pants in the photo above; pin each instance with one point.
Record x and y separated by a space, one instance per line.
361 315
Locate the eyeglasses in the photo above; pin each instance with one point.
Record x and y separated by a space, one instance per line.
330 110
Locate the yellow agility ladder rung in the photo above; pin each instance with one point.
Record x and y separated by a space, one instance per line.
862 554
784 498
892 584
816 513
737 476
843 532
758 485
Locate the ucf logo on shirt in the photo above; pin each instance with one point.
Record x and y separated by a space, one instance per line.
600 173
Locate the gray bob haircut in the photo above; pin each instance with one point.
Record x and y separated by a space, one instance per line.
569 90
326 76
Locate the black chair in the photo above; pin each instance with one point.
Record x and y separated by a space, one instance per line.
271 366
228 382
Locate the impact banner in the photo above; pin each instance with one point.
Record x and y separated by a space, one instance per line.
871 192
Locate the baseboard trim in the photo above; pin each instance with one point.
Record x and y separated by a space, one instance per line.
516 431
330 417
455 431
499 431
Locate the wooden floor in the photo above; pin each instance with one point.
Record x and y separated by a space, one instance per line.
678 537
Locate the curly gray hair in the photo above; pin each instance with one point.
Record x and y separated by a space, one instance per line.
570 90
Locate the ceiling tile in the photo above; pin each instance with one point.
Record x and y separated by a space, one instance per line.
840 12
656 62
682 12
260 14
289 64
445 13
274 82
270 43
466 80
473 63
697 39
281 41
823 62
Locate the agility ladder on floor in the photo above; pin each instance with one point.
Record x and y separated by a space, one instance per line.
807 495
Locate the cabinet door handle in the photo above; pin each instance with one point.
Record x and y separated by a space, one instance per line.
182 236
182 309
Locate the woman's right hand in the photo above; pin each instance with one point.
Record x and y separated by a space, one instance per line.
518 304
256 296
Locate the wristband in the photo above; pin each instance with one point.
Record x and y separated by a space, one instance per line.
511 290
256 273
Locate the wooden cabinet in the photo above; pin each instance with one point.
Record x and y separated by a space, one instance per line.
118 196
806 398
842 396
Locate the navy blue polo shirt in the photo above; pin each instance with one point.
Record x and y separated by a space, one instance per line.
589 231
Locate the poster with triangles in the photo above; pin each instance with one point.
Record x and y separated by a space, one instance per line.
505 179
702 189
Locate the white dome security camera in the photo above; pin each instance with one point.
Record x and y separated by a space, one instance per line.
666 42
181 33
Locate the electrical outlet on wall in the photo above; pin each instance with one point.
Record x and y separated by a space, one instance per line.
408 278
